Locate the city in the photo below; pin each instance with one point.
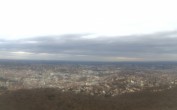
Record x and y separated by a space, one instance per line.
107 79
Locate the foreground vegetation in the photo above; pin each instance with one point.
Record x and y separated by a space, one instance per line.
53 99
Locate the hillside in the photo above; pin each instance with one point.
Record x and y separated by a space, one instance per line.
53 99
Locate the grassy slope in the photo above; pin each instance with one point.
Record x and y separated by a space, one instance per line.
52 99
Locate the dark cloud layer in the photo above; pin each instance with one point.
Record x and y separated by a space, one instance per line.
139 46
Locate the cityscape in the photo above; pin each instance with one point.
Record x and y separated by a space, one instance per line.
88 55
107 79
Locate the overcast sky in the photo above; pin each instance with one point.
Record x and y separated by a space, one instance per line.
89 30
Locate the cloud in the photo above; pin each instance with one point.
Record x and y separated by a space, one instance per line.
157 46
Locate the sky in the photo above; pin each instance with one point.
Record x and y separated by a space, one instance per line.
88 30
